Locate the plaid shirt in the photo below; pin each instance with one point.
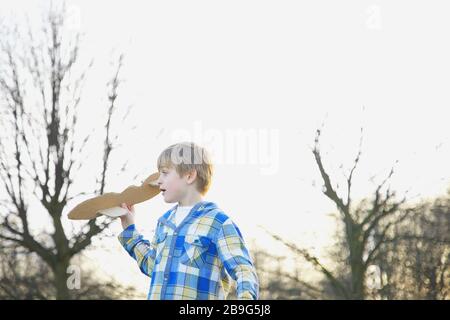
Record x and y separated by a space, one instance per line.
196 259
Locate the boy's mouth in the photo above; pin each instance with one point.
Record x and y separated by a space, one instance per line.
162 190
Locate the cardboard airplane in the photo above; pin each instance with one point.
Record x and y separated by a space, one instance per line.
109 203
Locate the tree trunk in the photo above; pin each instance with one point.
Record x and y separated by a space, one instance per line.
358 278
357 266
60 279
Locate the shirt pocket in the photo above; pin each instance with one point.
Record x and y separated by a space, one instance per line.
159 245
195 250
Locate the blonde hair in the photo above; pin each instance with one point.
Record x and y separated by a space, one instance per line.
186 157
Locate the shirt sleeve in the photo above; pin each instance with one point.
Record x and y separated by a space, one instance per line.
237 261
141 250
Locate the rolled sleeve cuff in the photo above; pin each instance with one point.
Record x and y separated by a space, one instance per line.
246 295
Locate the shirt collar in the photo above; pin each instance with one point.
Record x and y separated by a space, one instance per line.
198 209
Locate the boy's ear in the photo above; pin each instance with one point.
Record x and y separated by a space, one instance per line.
191 176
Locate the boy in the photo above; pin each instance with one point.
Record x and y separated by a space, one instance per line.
196 247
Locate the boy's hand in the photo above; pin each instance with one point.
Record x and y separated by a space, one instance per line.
127 219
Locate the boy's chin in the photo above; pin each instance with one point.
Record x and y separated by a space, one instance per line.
168 200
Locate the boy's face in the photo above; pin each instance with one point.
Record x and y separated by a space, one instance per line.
173 186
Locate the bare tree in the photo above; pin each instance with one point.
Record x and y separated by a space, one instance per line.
40 152
359 223
25 276
415 261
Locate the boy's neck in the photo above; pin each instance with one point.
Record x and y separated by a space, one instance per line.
190 200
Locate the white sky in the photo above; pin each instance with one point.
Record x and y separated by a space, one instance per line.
281 68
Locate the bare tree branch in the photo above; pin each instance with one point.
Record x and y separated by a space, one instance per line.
310 258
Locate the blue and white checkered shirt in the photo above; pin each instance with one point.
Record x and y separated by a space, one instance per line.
195 260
